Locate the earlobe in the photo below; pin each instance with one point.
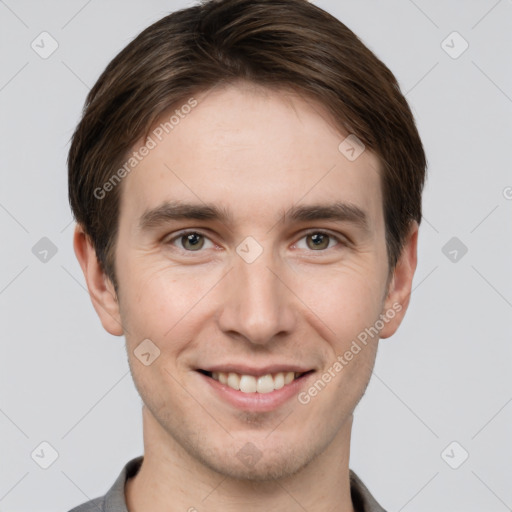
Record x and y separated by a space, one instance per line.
101 289
399 292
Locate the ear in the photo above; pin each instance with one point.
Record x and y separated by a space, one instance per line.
101 290
399 290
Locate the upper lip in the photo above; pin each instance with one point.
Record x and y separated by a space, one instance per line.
243 369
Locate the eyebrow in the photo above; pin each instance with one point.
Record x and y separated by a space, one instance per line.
338 211
177 210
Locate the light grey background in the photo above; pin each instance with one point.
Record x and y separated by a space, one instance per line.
444 377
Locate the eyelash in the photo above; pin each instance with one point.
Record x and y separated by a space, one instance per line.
181 234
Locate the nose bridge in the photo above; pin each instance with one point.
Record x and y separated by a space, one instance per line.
257 304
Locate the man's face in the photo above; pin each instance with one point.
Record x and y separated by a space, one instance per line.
271 288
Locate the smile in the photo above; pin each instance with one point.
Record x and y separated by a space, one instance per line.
256 389
254 384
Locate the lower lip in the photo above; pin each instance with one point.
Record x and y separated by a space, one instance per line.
260 402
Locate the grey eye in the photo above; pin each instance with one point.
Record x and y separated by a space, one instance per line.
318 240
192 241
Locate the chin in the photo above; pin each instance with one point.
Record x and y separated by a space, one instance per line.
251 464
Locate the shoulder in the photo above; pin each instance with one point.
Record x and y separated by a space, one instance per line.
114 500
95 505
361 497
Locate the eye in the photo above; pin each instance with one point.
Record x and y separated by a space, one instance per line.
191 241
319 240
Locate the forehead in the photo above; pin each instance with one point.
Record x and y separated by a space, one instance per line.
251 150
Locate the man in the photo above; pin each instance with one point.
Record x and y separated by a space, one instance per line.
246 180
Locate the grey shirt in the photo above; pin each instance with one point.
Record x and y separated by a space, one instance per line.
114 500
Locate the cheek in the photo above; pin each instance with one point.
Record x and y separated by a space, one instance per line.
346 300
160 300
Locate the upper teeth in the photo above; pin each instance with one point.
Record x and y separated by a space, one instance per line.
251 384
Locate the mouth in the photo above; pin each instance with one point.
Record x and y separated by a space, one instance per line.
260 384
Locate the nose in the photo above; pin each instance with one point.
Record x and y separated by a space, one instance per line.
257 304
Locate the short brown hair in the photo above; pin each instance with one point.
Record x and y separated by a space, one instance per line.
275 43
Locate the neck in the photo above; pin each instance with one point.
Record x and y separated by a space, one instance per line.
171 480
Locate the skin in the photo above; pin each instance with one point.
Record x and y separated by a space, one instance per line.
256 152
